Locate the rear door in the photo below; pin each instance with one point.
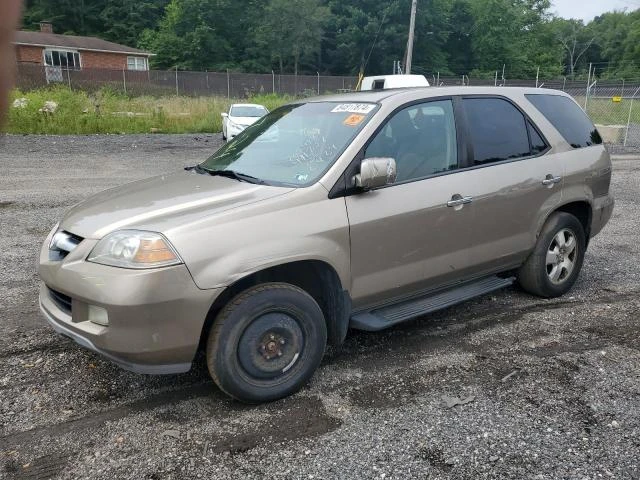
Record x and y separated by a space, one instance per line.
511 180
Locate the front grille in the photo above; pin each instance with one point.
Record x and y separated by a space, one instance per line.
62 244
61 300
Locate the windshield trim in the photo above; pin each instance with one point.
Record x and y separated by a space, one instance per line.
318 179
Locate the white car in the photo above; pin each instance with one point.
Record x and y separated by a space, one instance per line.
239 117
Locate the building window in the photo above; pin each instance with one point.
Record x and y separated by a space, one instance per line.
62 58
137 63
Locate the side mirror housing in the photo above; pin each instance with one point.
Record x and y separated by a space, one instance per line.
376 172
224 114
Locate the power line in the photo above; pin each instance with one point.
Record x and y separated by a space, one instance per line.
375 39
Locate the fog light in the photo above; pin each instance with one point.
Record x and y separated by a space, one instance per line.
98 315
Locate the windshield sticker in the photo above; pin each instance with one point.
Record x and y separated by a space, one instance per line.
363 108
353 120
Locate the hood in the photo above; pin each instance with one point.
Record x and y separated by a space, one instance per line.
244 121
161 203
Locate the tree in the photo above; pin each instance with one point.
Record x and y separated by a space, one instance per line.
575 41
78 17
292 29
125 20
199 34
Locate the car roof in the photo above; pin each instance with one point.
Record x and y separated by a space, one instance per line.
396 94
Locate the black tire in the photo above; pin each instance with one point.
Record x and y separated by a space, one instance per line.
266 343
536 276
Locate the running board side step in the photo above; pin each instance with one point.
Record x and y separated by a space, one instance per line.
386 316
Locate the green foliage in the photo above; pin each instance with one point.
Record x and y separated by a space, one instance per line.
339 37
108 112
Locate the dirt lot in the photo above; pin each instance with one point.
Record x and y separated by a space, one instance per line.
551 388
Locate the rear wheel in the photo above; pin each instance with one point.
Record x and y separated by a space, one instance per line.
266 343
553 267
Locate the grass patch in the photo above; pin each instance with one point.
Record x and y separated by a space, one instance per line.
606 112
106 111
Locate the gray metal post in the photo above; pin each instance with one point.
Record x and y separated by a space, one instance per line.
318 74
495 79
412 27
586 97
228 85
177 90
537 76
124 80
564 82
273 81
69 77
626 135
438 81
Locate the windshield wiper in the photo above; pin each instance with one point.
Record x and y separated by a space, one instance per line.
241 177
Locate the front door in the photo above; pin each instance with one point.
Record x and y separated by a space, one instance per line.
404 237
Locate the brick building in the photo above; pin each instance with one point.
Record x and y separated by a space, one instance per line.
58 52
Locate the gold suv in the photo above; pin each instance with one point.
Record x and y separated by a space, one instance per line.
360 210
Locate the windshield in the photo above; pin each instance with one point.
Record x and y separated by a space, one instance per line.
295 144
248 111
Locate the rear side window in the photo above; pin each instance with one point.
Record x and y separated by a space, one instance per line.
497 129
568 118
538 145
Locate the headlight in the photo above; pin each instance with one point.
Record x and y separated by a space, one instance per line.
134 249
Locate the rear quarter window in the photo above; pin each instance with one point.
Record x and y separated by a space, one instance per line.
568 118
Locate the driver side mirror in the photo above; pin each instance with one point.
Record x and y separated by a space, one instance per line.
376 172
224 114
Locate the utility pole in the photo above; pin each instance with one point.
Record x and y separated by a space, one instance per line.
412 27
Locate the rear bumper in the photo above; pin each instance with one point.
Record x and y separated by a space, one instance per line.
602 209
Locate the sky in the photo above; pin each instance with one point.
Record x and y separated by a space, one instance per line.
587 9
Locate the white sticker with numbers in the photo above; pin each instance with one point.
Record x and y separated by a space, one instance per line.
363 108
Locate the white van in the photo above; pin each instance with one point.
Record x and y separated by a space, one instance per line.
384 82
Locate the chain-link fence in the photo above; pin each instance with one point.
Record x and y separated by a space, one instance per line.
177 82
614 105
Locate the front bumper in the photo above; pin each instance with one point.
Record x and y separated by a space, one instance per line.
155 316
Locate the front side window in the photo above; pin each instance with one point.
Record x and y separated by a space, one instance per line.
497 129
421 138
137 63
295 144
62 58
568 118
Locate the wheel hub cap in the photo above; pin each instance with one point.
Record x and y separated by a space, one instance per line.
270 345
561 256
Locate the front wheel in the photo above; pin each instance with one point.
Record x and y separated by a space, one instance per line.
554 265
266 343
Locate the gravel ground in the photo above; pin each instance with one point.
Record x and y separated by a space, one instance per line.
549 389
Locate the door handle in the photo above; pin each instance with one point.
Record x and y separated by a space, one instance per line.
551 180
457 200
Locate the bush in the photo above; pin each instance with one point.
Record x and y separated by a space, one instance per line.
107 111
